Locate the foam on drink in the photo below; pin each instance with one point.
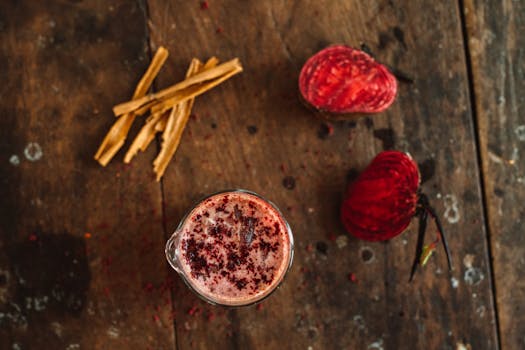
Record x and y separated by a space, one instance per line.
233 248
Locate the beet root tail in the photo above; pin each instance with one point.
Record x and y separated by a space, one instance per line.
423 212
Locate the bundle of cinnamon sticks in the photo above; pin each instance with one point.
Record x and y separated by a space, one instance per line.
169 109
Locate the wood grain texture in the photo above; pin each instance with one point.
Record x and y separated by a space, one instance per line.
318 305
495 30
81 254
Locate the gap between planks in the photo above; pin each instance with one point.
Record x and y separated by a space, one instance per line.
474 112
144 8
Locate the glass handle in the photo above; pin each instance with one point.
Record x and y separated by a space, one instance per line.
171 251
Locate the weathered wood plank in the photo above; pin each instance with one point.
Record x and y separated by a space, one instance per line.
495 30
81 263
318 306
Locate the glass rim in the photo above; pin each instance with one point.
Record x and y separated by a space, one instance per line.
173 260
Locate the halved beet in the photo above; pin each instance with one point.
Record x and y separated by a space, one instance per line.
341 80
383 200
381 203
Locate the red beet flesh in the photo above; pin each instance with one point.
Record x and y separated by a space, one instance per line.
343 80
381 203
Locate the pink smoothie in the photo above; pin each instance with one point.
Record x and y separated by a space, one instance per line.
234 248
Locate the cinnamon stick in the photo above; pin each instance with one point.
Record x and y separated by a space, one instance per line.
233 66
175 127
117 134
147 133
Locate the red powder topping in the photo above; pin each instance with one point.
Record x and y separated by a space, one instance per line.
234 246
352 278
148 287
194 310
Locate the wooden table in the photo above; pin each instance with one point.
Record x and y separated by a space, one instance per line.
81 246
